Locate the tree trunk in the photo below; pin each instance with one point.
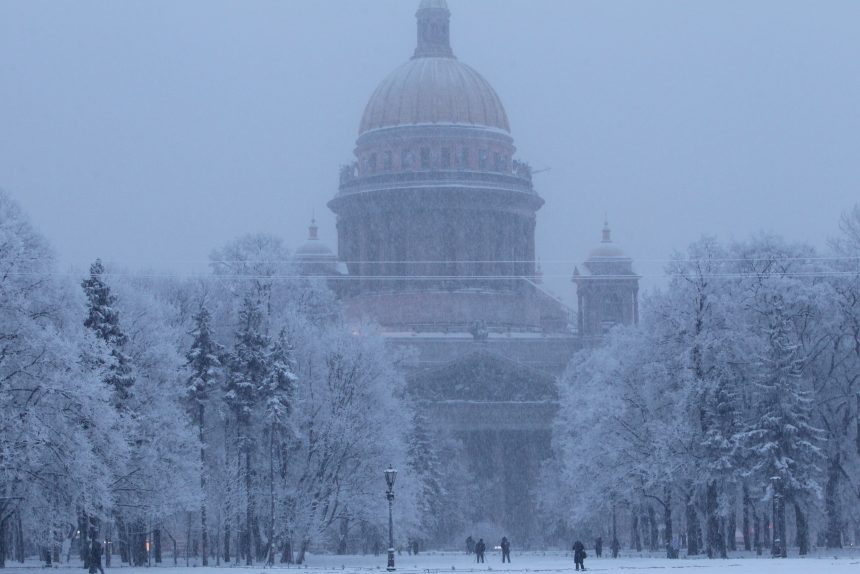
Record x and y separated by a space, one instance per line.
833 529
692 527
343 529
783 528
668 533
240 528
57 549
250 519
779 543
3 543
227 496
757 534
615 543
259 546
109 544
270 535
138 537
635 539
653 531
300 559
83 538
747 505
226 539
204 532
188 540
287 554
731 529
19 547
3 549
156 539
715 542
122 533
802 529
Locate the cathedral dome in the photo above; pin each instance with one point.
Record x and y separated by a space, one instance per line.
434 91
434 87
606 249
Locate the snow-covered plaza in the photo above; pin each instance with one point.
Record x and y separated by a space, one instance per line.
845 562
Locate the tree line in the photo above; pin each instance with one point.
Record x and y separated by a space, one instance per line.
729 417
233 417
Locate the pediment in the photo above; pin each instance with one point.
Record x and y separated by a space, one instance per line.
484 376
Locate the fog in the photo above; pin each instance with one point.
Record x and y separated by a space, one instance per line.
148 133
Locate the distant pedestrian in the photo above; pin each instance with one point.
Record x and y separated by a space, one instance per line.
579 555
506 549
615 546
671 550
415 546
470 545
96 558
480 548
598 547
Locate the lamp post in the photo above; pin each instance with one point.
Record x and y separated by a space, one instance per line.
390 475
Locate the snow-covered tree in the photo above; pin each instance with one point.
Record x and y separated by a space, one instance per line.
57 431
204 362
103 320
277 394
783 441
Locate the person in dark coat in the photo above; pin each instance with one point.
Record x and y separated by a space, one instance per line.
480 548
598 547
615 546
470 545
506 549
579 555
96 558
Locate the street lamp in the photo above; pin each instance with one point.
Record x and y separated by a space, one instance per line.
390 475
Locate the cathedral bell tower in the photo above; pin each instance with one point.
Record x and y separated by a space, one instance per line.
607 289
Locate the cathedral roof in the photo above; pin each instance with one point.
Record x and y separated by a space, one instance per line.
434 87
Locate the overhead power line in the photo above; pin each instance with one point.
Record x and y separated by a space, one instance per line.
464 278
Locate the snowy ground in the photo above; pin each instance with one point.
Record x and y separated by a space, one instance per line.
538 562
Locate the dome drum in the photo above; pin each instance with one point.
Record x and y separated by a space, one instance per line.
434 148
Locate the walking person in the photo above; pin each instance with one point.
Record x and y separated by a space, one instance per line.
470 545
615 546
480 548
96 558
579 555
506 549
598 547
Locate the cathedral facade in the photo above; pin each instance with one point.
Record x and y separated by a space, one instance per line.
436 224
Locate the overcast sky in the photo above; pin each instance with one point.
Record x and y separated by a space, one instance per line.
149 132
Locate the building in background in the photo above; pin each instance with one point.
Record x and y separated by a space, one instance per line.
436 228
